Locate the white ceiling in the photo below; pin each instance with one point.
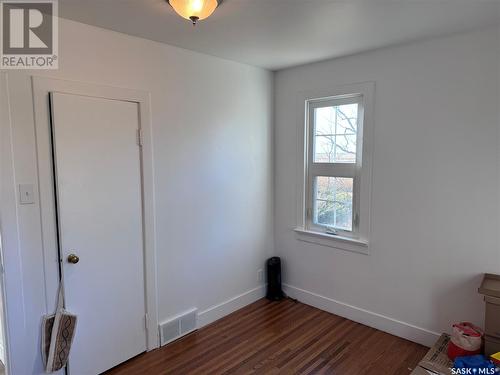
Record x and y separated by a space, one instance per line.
275 34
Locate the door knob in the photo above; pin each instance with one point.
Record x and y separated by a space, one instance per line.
72 258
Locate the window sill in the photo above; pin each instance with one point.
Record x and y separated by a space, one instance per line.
330 240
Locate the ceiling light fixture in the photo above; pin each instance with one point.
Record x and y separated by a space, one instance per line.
194 10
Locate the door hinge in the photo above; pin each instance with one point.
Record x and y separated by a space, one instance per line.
139 137
146 321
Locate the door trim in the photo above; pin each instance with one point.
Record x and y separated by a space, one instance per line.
41 88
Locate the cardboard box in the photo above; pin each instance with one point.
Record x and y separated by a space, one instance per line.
490 285
436 360
491 345
490 288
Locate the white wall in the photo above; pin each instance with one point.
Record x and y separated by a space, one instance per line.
435 191
212 129
435 179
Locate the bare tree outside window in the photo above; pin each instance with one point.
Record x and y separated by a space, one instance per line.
335 134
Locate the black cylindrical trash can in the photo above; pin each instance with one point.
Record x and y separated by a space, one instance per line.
274 292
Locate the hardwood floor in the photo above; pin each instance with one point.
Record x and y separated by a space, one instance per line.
284 337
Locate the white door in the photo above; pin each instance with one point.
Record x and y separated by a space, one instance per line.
99 200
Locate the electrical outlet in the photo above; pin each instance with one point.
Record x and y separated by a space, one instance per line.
260 275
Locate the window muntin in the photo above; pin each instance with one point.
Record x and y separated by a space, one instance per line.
334 164
335 133
333 198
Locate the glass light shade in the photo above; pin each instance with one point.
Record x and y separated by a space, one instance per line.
194 9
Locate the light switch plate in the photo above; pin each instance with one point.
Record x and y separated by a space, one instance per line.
26 193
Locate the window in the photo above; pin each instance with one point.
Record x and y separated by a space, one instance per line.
337 167
334 162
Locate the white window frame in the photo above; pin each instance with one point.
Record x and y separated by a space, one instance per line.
322 169
361 171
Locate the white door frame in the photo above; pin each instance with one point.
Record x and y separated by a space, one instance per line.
41 88
8 216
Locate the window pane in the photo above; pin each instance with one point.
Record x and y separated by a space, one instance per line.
333 202
335 130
